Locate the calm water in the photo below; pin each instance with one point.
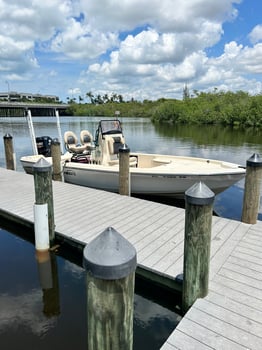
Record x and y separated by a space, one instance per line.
43 305
233 145
36 316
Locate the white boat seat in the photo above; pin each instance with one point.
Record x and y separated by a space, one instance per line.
114 143
71 143
86 139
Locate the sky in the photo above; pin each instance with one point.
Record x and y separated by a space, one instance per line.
141 49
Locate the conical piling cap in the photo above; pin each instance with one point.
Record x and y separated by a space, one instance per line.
124 148
254 161
199 194
42 165
110 256
8 136
55 141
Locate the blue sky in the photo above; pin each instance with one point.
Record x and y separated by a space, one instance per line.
145 49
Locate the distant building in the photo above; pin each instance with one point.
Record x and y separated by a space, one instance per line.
13 96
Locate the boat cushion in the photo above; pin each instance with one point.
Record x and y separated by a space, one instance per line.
114 143
70 140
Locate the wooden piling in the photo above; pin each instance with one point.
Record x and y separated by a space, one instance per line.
198 220
110 261
252 189
124 175
9 152
56 160
44 192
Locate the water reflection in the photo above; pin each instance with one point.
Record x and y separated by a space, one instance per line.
152 324
48 277
43 303
209 141
22 312
21 299
211 134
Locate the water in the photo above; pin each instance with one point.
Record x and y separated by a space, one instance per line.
48 311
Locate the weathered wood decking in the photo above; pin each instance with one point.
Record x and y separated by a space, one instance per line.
230 317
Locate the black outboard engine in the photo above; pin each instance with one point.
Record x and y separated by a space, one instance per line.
43 144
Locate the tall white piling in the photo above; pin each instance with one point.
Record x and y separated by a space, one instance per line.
41 226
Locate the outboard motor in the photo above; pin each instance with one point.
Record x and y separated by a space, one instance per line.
43 144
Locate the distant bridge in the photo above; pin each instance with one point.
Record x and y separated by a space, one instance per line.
17 109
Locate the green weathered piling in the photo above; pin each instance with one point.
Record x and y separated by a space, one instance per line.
110 261
56 160
9 152
124 175
252 189
198 221
44 192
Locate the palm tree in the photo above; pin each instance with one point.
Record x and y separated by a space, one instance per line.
120 98
91 96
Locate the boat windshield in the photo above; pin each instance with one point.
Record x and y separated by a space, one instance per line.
110 127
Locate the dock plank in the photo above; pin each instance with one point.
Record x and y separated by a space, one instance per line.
233 320
218 321
244 262
239 295
200 337
249 312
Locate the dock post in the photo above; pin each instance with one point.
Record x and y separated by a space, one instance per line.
9 152
110 261
44 193
56 160
198 221
124 175
252 189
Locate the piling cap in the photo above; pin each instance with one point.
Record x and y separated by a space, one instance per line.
41 166
8 136
199 194
124 148
110 256
254 161
55 141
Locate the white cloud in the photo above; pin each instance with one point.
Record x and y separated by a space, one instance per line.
74 91
79 41
132 47
165 15
240 59
256 35
22 25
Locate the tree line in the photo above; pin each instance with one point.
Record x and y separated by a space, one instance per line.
216 107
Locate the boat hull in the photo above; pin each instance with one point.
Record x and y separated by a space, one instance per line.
164 185
157 176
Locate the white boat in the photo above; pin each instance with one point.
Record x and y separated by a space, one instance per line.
96 164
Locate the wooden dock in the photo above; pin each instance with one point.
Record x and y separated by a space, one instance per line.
230 317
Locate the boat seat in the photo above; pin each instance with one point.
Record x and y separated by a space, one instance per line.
114 143
86 139
71 143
